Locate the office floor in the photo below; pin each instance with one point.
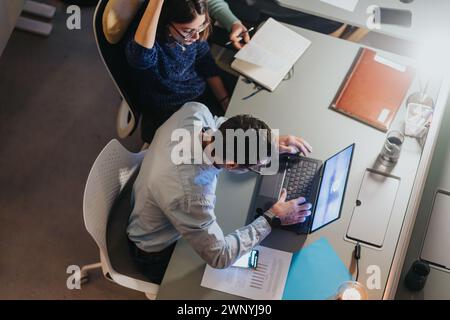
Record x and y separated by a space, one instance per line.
57 111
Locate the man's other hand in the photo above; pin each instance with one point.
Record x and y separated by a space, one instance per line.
292 144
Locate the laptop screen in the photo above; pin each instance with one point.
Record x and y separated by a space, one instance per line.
332 188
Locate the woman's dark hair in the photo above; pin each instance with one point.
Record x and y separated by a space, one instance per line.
182 11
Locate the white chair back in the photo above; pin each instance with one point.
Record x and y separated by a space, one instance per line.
108 176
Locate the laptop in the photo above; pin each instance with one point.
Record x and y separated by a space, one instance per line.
321 184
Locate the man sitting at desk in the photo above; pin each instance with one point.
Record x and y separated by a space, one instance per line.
177 200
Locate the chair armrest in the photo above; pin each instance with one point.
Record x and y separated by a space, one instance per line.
126 120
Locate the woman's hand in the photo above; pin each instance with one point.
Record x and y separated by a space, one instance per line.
235 35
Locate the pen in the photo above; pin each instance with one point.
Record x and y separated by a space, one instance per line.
240 36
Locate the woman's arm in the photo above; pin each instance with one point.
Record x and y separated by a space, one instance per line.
146 31
218 88
220 11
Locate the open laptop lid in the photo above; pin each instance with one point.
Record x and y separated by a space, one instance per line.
332 188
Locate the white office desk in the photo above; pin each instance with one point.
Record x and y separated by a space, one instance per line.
427 16
299 106
9 12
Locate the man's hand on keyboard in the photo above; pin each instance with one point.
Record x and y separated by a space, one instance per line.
292 144
293 211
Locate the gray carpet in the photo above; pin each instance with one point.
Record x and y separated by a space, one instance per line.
57 111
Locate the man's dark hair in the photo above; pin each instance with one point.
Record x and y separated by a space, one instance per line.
248 124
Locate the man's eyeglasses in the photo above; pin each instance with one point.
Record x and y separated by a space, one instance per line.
188 35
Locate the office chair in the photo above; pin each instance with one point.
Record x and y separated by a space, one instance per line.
113 56
106 209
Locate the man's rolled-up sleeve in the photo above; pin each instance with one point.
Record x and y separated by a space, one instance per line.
199 227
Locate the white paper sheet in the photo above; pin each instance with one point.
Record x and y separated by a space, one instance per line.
384 115
266 282
348 5
390 63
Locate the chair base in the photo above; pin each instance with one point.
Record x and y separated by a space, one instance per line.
37 27
125 120
41 10
150 295
84 278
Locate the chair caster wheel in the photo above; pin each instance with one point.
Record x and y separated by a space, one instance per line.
84 277
150 295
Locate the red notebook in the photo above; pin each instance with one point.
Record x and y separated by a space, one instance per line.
373 90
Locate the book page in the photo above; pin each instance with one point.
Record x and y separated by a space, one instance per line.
258 55
281 41
270 54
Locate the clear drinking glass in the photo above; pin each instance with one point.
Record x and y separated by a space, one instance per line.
418 118
351 290
392 147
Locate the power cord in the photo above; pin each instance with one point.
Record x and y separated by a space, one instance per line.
357 256
258 88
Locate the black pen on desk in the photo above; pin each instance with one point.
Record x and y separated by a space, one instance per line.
240 36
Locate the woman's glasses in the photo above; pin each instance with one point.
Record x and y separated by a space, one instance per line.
189 34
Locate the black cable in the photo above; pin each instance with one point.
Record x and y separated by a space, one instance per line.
357 256
258 88
357 270
290 74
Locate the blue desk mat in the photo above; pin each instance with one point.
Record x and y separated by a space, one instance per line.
315 273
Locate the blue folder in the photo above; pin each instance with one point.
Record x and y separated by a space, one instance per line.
316 272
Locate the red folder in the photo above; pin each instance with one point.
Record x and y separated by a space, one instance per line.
373 91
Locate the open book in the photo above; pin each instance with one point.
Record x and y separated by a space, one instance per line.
270 54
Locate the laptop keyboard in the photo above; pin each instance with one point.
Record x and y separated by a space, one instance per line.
299 179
